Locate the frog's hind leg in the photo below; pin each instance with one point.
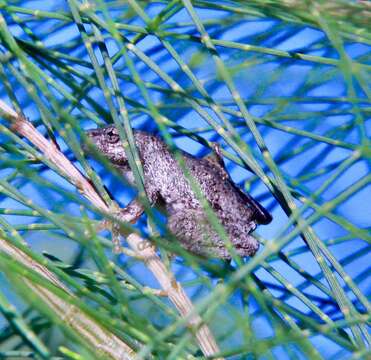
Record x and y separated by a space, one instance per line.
195 233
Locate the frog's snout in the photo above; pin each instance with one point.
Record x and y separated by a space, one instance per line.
92 133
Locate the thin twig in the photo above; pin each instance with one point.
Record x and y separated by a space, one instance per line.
99 338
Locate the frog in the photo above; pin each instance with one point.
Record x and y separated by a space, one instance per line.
165 183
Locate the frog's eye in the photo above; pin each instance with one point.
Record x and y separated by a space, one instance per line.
112 136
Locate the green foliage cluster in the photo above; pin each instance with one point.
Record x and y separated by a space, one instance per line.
181 67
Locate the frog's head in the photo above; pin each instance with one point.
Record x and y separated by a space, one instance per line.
108 142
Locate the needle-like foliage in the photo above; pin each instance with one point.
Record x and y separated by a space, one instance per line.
282 86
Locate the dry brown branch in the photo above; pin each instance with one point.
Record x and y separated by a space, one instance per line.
174 290
99 338
177 296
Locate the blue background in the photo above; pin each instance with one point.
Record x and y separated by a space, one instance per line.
255 84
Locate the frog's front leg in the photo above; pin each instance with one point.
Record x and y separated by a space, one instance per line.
130 213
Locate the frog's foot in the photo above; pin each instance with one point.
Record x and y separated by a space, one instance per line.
114 229
131 213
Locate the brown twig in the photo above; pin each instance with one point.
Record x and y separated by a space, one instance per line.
99 338
174 290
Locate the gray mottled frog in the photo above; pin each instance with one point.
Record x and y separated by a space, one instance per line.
165 183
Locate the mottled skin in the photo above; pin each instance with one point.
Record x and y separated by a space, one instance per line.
165 183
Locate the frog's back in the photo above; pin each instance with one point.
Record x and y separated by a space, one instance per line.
163 175
238 217
221 193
